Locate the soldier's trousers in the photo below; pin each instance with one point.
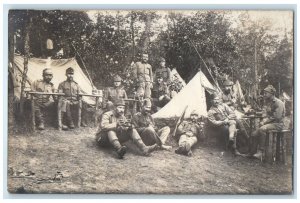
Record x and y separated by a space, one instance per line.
144 89
149 136
259 136
185 139
66 106
39 109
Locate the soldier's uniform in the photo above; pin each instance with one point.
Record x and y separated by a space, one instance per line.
114 94
163 72
275 115
71 99
229 99
217 116
145 126
111 132
188 132
42 101
161 94
143 76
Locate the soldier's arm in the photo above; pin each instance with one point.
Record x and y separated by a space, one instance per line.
180 129
106 125
213 120
134 71
169 75
231 114
151 74
277 114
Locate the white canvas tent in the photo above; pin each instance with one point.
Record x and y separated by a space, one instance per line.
175 75
237 90
58 66
192 95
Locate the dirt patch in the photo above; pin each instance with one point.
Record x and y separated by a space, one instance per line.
70 162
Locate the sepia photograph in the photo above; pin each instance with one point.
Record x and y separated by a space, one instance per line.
160 102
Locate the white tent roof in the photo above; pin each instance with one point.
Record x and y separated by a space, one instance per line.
175 74
58 66
192 95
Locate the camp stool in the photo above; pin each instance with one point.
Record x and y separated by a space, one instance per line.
275 146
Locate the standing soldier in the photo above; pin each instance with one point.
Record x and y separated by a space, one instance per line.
143 77
145 126
228 96
114 93
223 118
114 130
163 71
275 111
71 100
160 92
188 130
43 101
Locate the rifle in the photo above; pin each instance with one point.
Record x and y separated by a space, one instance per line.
180 119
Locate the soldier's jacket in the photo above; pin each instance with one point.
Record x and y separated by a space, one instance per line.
218 114
42 86
229 99
142 72
113 94
189 127
275 111
110 121
71 90
141 121
160 90
165 73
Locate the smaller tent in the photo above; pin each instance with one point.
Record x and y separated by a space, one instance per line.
58 66
192 96
175 76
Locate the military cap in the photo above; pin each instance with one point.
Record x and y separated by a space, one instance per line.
194 112
161 59
147 103
47 71
228 83
270 89
70 71
117 78
120 102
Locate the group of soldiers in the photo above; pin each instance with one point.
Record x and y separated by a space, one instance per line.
153 90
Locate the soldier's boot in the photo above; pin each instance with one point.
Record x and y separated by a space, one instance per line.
121 150
69 118
40 119
41 126
190 153
187 149
146 150
180 150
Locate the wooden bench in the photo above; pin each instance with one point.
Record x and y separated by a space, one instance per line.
275 146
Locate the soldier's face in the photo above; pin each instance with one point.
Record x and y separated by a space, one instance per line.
145 58
70 76
267 95
147 109
216 102
120 110
159 80
117 83
227 89
47 77
162 63
194 117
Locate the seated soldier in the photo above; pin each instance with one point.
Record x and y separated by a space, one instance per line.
41 102
114 130
144 124
275 111
160 93
223 118
114 93
228 96
188 131
71 100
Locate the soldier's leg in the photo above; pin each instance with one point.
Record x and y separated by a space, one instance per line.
140 89
181 144
149 136
191 141
69 115
146 150
114 141
147 90
39 115
163 134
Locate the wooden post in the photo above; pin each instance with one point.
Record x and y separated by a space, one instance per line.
96 110
32 112
132 36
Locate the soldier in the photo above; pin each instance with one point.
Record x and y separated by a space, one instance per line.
71 100
143 77
114 130
223 118
114 93
163 71
275 111
144 124
160 92
43 101
188 131
228 96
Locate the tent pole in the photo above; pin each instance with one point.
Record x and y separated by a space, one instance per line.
209 71
83 65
